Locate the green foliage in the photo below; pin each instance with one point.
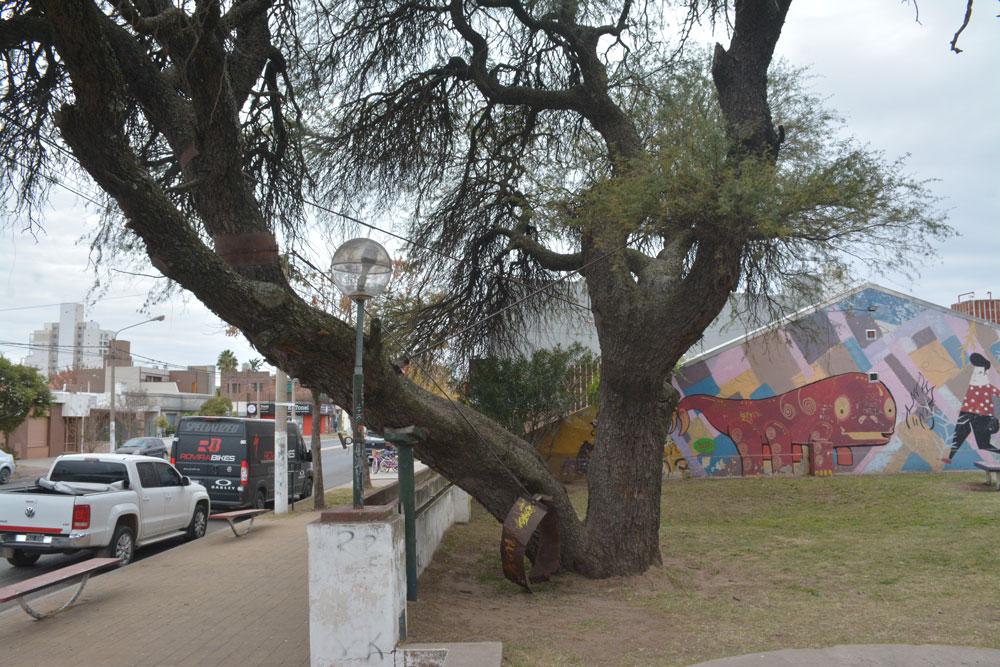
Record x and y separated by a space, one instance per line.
227 362
255 364
23 393
217 406
521 393
824 207
162 424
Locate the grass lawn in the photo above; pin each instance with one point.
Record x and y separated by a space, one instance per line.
749 565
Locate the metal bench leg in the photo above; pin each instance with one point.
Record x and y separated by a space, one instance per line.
232 524
39 615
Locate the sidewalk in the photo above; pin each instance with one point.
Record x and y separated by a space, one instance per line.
220 600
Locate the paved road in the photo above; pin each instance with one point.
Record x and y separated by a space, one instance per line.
336 471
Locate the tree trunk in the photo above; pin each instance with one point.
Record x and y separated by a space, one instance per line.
624 477
316 445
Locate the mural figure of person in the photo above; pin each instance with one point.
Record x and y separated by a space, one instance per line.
976 414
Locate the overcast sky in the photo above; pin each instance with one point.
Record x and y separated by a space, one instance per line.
894 80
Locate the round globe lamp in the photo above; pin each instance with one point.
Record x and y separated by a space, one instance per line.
362 269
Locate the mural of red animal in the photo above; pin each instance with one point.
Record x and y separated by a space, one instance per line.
848 410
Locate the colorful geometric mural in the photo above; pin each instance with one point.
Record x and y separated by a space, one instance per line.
871 381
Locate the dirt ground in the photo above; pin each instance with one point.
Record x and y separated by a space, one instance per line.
748 565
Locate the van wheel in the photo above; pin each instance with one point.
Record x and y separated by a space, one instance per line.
259 501
199 522
308 489
22 558
122 545
4 475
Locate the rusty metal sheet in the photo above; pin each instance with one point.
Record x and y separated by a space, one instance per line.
526 517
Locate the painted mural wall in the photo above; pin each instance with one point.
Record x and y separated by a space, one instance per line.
876 382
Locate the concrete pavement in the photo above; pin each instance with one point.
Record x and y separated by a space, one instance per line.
220 600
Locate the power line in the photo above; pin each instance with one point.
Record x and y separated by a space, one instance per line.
351 218
73 348
50 305
445 339
306 201
56 182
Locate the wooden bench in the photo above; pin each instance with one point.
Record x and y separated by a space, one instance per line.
992 471
240 515
82 569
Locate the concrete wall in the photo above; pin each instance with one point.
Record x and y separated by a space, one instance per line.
876 377
442 507
357 573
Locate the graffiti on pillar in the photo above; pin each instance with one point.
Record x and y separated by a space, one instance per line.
830 416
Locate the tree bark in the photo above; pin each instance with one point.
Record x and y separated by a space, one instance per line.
316 446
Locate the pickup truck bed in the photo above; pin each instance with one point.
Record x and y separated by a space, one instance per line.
97 502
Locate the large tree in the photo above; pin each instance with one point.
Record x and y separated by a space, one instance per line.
23 393
531 139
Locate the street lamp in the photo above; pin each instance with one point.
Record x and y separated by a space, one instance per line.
361 269
114 336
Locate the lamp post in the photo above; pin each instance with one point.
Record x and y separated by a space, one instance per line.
361 269
111 429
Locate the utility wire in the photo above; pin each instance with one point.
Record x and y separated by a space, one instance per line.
71 348
370 226
445 339
304 200
51 305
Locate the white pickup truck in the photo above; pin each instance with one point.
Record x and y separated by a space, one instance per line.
110 502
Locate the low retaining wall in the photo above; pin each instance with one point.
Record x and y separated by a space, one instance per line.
357 571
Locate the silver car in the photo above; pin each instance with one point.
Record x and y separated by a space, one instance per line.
7 467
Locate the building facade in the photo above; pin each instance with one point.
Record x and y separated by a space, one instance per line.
869 381
984 309
70 343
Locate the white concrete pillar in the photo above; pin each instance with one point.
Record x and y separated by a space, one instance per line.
357 586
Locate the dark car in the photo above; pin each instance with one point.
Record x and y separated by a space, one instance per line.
144 446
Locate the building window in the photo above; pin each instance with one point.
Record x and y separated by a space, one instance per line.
871 334
873 377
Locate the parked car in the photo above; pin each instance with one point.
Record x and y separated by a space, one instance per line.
7 467
109 502
234 458
144 447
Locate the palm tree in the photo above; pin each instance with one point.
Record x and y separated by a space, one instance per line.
255 364
227 361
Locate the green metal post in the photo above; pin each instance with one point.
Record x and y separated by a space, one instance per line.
407 495
359 407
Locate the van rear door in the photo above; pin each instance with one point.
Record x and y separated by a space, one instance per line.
213 453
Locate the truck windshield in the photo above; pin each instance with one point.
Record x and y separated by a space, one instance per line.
89 471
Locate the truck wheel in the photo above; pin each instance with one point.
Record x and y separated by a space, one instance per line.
4 475
259 501
199 522
23 558
122 545
308 489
